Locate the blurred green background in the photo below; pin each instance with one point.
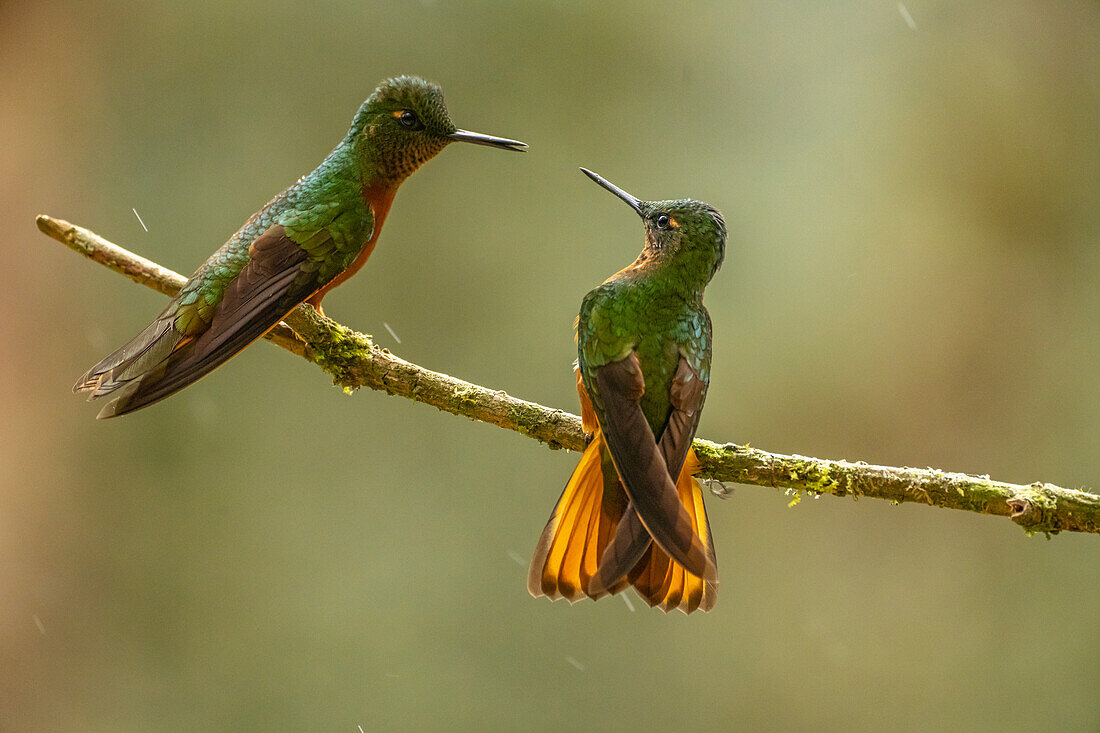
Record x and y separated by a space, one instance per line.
910 280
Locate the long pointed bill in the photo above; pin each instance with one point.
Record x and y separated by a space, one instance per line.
631 201
465 136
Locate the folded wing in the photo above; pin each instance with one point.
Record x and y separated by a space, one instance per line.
177 350
632 540
644 470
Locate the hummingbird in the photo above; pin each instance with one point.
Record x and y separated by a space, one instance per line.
304 242
631 514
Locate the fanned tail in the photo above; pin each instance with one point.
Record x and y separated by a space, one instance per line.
583 524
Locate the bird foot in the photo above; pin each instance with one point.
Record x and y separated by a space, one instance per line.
315 301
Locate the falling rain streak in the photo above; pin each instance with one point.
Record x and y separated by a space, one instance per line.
905 15
139 220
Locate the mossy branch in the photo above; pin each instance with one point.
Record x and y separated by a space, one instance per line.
355 361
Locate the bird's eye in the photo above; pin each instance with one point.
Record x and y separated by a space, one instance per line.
663 222
409 120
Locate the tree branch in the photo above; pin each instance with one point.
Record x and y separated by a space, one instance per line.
354 361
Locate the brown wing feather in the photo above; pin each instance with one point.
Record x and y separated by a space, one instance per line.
626 549
594 536
631 538
643 469
271 285
686 395
655 577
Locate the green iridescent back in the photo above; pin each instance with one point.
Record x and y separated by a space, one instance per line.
654 307
323 212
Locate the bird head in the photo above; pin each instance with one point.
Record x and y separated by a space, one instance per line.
682 233
405 123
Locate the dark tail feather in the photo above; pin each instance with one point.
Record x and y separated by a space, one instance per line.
230 332
130 360
132 365
164 368
161 361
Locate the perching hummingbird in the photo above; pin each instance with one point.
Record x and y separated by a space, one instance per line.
304 242
631 514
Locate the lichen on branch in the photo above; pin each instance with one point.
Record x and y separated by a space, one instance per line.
354 361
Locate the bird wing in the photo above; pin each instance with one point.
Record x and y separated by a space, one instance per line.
642 466
175 351
666 584
632 540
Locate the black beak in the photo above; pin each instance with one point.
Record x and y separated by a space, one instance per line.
465 136
631 201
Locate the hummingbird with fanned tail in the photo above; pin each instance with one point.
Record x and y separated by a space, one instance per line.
303 243
632 514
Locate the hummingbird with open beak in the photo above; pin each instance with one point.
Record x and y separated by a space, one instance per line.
632 514
304 242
